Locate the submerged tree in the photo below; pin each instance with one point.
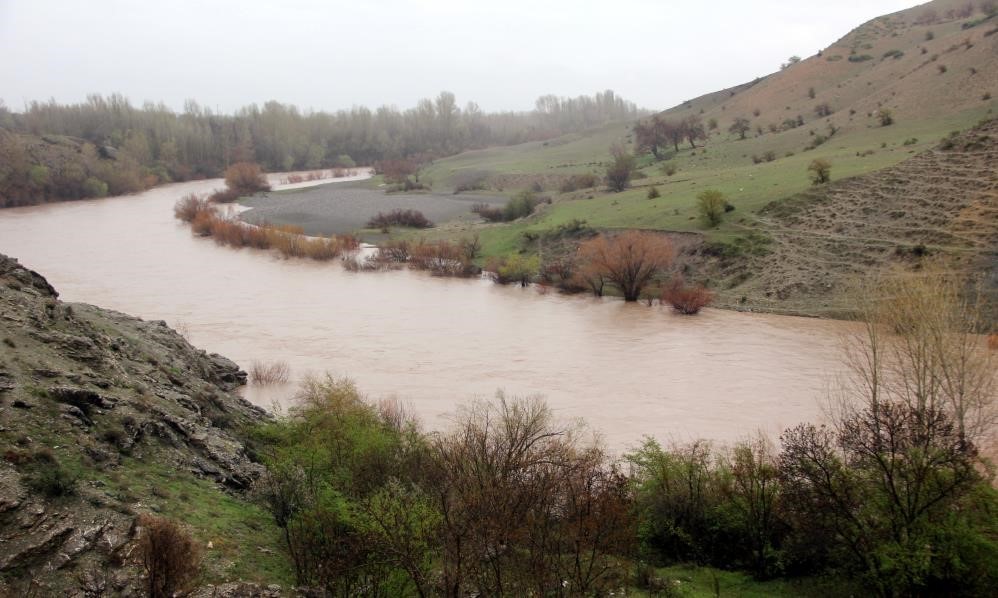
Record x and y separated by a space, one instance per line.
629 260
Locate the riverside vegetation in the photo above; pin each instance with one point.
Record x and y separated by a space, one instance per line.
134 440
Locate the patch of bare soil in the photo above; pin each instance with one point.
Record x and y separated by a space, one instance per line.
941 205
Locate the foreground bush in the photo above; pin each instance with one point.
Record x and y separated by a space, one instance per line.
170 557
890 493
506 503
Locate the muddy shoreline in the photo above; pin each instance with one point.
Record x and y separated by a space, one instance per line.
339 208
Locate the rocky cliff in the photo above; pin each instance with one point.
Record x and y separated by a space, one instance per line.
104 416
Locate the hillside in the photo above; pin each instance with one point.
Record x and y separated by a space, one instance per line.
938 206
102 417
933 68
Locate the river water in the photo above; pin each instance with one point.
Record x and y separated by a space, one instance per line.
628 370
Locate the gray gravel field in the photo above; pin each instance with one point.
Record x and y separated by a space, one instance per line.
345 207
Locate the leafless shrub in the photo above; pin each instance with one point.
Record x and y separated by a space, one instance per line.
190 206
687 299
169 555
266 374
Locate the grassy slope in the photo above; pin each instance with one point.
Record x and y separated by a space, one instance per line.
927 104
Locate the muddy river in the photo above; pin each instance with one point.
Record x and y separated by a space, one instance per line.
627 370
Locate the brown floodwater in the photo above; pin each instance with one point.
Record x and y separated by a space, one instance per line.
628 370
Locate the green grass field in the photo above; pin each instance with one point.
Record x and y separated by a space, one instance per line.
724 164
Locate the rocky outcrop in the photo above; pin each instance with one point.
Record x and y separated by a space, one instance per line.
91 400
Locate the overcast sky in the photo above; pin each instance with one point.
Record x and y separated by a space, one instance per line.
328 55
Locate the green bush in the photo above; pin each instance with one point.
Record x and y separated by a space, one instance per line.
52 479
94 187
521 205
516 269
711 207
344 161
38 175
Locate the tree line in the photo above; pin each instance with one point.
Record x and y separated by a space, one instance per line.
116 147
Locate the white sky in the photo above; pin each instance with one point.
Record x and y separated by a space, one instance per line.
331 54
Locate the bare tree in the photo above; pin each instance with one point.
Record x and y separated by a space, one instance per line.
170 557
629 260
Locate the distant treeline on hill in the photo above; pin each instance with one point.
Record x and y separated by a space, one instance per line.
106 145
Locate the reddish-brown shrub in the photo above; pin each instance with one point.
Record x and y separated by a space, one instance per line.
687 300
190 206
629 260
170 557
993 341
488 212
224 196
246 178
395 171
202 222
442 258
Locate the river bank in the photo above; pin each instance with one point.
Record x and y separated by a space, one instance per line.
432 341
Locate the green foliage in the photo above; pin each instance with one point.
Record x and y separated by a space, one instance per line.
199 143
753 243
52 479
711 207
344 161
94 187
653 193
820 171
520 206
331 463
620 170
518 269
38 175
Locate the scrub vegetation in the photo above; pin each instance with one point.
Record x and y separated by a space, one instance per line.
511 501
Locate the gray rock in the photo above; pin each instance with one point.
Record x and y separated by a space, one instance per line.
12 493
81 397
24 550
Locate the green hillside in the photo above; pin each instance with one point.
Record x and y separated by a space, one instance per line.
933 68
